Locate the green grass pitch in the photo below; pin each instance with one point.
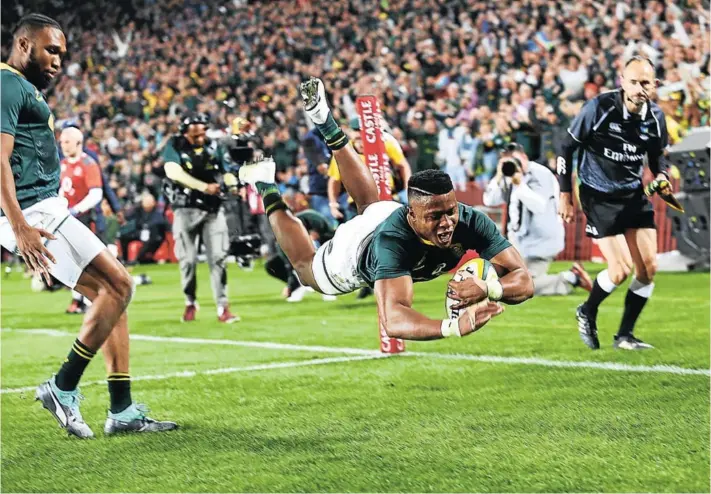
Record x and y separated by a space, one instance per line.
303 409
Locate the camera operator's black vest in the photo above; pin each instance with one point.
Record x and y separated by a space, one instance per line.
201 164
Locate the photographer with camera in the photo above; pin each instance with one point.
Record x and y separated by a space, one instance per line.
193 186
531 192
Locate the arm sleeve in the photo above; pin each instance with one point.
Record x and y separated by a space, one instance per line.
494 194
532 199
564 163
92 199
658 163
11 98
483 236
176 173
391 258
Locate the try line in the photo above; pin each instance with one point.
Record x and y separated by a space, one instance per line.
491 359
224 370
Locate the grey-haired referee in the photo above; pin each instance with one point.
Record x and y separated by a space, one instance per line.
614 132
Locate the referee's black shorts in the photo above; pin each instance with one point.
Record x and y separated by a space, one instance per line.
608 215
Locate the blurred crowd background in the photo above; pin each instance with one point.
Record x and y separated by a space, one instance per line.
456 79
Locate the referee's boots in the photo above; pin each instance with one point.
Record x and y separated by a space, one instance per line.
629 342
587 327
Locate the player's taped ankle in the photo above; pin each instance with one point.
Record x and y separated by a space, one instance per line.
496 291
271 198
274 203
449 328
333 134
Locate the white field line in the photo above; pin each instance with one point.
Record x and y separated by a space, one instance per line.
610 366
225 370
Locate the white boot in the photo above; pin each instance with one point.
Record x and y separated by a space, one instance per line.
313 95
262 171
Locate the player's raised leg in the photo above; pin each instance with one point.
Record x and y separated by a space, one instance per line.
290 233
642 244
605 283
356 177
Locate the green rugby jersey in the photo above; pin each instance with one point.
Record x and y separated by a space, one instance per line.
395 250
24 114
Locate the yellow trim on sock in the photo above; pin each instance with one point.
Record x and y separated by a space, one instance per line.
115 379
271 207
338 142
81 352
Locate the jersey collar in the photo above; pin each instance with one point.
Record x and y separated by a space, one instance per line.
4 66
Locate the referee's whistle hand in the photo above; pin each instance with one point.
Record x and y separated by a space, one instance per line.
565 207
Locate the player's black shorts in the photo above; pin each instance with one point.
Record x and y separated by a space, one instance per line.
610 215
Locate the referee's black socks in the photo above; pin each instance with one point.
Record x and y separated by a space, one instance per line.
601 289
637 296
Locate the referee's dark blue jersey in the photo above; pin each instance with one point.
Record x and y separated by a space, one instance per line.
613 143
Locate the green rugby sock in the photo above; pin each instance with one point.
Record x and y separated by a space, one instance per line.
119 391
73 367
332 132
271 197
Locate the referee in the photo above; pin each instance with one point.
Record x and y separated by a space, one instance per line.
614 132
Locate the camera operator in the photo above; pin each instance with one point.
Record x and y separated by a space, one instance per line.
194 174
533 226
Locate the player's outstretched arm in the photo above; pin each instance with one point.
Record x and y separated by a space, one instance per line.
514 286
394 297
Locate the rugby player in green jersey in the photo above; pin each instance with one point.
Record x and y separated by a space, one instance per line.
389 246
37 225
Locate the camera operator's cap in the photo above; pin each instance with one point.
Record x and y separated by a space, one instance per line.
192 119
512 147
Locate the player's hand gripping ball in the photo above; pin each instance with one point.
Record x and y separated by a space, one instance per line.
479 269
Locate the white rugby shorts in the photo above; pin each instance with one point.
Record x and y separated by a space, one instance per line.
75 245
335 265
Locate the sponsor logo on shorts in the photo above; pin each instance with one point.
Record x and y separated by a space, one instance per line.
591 229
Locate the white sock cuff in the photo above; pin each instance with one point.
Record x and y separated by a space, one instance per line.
639 288
603 279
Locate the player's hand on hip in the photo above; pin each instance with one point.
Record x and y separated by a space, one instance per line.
565 207
468 291
476 316
32 249
212 189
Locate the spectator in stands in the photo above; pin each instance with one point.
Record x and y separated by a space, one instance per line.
134 72
147 225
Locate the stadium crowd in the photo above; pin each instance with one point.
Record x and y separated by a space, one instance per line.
456 79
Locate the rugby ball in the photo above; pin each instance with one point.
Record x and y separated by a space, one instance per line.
476 268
